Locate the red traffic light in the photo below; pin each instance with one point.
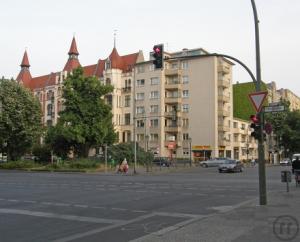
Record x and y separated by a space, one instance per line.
156 50
254 118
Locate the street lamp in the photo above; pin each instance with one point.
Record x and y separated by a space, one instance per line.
147 140
190 143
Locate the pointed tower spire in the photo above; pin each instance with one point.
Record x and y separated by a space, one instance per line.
115 35
73 61
25 61
73 49
24 76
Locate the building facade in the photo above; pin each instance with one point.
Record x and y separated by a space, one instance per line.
184 109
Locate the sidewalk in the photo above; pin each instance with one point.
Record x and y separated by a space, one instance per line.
246 222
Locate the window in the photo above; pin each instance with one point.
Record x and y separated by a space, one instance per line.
154 81
140 137
243 126
154 95
185 79
108 81
184 65
154 109
185 122
235 138
140 96
127 119
185 108
128 83
140 82
185 136
50 95
174 66
140 69
235 125
127 101
154 123
140 123
151 67
185 93
140 110
154 137
49 109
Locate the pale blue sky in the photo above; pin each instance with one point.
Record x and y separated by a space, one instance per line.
224 26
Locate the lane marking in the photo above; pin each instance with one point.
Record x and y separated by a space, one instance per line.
60 216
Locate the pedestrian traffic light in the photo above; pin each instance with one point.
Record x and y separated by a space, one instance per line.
255 125
158 52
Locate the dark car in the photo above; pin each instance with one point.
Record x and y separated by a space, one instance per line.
161 161
231 166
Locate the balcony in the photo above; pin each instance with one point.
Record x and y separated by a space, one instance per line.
126 89
222 127
224 143
223 69
173 72
173 85
224 83
223 97
173 100
178 143
172 128
171 114
224 113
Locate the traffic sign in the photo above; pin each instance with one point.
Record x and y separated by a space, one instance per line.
257 99
271 109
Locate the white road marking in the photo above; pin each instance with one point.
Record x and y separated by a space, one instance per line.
60 216
80 205
29 201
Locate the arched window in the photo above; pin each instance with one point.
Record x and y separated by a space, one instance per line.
107 64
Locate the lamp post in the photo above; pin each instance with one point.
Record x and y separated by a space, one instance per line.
261 160
147 140
190 143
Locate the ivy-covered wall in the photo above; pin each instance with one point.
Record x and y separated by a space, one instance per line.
242 106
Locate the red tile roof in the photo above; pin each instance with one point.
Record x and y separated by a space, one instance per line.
24 77
71 64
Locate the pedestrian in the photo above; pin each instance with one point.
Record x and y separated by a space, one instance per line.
296 164
253 162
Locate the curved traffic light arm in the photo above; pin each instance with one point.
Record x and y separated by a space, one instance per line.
217 55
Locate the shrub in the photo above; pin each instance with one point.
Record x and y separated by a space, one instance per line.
42 153
18 165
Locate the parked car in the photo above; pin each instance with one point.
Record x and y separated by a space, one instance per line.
285 162
161 161
213 162
231 166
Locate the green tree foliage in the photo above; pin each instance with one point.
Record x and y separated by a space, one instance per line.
126 150
286 126
20 119
86 120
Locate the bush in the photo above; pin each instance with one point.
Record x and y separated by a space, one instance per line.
18 165
42 153
83 164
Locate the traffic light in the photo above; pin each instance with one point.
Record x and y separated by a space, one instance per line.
255 125
158 52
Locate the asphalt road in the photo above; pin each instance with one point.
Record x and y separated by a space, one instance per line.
40 207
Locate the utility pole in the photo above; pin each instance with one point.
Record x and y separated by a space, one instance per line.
261 159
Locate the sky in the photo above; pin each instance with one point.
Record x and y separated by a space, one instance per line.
46 28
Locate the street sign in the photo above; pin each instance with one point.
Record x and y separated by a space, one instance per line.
257 99
271 109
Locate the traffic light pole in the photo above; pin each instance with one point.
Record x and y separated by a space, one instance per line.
261 153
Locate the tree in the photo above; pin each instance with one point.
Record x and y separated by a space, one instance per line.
126 150
20 119
86 121
286 127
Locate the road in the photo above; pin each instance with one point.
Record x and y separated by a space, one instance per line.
39 207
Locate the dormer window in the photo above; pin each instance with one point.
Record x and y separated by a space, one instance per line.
107 64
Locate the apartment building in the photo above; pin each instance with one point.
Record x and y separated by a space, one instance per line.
244 145
185 106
